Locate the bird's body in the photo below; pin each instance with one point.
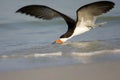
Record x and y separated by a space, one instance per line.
80 29
86 17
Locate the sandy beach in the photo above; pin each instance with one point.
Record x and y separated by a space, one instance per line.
91 71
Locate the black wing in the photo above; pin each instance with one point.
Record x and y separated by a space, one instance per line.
44 12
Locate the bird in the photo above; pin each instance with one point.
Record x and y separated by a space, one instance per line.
86 17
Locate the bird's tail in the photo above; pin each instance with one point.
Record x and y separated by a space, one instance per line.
99 24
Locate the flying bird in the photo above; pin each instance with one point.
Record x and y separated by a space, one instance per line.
85 21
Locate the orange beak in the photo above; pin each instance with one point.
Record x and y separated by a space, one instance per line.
58 41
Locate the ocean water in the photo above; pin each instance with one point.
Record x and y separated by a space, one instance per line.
27 42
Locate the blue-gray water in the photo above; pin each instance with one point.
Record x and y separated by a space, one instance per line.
25 42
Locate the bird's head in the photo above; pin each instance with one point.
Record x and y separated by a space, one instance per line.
60 41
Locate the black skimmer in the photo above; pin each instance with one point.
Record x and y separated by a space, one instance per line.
86 17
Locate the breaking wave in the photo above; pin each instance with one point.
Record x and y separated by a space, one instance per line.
86 49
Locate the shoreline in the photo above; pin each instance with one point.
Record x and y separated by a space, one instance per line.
91 71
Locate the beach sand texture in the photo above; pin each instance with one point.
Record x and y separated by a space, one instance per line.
93 71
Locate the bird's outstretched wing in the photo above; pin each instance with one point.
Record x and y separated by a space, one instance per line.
88 13
44 12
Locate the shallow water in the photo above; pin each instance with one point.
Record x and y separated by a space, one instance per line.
27 44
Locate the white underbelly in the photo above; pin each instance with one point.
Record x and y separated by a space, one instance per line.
80 30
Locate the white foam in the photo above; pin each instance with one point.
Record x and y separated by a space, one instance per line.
37 55
59 54
34 55
96 52
4 56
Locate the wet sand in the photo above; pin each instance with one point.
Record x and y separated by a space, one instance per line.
91 71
